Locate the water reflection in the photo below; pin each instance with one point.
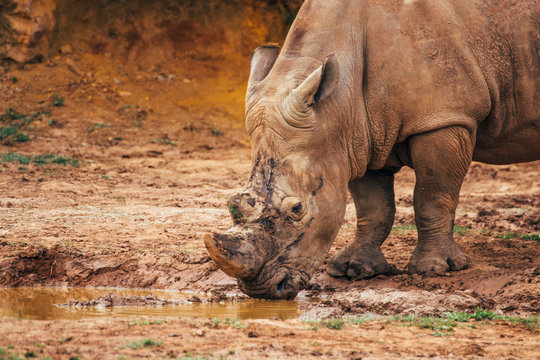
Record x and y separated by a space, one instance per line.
38 303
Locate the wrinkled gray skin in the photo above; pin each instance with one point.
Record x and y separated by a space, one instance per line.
359 90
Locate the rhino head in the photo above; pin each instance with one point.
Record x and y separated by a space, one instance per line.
288 215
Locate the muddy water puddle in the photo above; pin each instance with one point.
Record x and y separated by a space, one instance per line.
42 304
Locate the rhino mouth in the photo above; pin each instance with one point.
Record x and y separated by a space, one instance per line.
283 283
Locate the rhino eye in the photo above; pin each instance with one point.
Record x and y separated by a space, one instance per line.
297 209
293 208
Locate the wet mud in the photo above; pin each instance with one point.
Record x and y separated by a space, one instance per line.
159 157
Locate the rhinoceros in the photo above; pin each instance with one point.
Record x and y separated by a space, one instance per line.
360 89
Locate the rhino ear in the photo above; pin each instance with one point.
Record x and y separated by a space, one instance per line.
330 77
320 83
262 61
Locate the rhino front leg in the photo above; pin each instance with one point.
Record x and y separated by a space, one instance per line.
440 160
373 197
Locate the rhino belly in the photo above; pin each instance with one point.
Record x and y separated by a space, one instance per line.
520 145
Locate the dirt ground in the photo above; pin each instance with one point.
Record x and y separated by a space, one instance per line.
159 151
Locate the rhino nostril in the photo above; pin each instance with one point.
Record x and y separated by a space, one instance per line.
282 284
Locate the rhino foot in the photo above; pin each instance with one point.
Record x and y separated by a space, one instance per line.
438 262
358 263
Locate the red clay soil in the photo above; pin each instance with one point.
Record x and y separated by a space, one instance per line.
159 153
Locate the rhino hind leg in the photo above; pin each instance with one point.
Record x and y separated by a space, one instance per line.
440 160
373 196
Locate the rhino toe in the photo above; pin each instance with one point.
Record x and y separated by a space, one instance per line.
436 263
358 264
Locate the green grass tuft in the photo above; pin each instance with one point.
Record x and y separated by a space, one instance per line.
533 237
483 314
98 126
13 121
139 344
164 140
461 231
57 100
43 159
403 229
333 324
517 235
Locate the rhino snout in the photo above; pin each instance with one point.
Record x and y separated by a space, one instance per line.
244 207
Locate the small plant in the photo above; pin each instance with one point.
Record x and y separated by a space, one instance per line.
358 320
516 235
333 324
510 235
191 357
136 322
143 344
461 231
457 316
65 339
98 126
403 229
237 324
533 237
57 100
215 322
13 122
482 314
44 159
216 132
10 134
164 140
441 326
532 322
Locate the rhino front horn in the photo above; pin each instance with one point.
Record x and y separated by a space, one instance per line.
235 253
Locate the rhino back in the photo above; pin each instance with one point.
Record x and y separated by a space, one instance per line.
414 66
434 64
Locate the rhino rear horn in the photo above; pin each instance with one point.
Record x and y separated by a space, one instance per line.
319 84
262 61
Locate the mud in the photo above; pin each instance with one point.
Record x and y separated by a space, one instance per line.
161 147
112 300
